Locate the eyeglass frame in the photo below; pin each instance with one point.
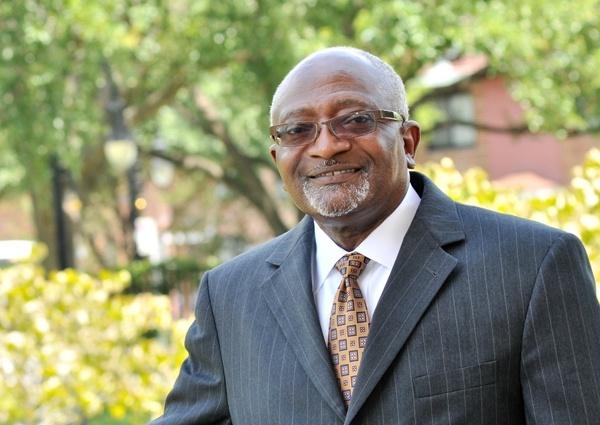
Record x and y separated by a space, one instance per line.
381 115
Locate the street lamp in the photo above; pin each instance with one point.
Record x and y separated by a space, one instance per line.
64 241
122 156
121 152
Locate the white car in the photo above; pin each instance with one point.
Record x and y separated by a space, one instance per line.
15 250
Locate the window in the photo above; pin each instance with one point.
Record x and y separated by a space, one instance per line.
456 107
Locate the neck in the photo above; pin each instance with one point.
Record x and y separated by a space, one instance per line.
347 236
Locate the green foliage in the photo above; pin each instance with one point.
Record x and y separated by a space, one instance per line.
548 50
168 275
200 75
73 348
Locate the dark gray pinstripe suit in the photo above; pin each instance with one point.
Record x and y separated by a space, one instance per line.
486 319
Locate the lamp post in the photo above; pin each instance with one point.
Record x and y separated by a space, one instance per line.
121 152
121 155
64 242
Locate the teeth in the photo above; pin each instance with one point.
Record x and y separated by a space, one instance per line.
335 173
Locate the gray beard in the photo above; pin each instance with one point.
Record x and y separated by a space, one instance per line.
336 200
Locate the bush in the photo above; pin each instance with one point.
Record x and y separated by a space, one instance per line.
166 276
73 347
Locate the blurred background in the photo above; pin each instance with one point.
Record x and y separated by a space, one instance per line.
134 156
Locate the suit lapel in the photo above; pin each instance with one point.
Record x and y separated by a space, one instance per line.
288 293
418 274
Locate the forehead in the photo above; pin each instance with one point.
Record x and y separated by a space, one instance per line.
328 83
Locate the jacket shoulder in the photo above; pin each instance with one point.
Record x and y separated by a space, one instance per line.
486 218
264 255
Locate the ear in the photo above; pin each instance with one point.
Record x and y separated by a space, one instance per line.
411 135
273 151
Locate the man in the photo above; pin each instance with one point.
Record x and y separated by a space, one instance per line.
442 313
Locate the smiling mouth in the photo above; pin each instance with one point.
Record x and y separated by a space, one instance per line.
335 173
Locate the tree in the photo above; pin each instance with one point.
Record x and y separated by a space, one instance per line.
200 75
548 51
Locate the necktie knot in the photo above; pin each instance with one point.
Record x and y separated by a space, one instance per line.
352 265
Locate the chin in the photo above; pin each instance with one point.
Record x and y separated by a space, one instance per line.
336 200
336 211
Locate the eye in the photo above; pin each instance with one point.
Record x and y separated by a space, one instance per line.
358 120
295 133
296 129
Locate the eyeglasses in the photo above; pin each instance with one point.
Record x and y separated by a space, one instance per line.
347 126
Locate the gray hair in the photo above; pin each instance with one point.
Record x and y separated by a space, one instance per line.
390 85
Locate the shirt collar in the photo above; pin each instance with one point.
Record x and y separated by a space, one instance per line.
382 245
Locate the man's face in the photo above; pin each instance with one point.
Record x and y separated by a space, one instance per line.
362 179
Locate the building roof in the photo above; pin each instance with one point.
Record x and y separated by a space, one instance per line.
445 73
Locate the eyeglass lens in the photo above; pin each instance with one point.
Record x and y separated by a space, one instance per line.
350 125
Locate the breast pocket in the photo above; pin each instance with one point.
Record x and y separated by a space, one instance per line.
455 380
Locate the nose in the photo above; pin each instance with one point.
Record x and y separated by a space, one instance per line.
327 145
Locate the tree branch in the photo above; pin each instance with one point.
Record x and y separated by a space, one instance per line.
259 198
515 130
521 129
157 99
238 170
130 95
212 124
187 162
579 132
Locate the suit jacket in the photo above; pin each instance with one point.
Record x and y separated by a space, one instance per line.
485 319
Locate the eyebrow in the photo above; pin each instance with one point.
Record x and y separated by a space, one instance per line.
343 102
352 102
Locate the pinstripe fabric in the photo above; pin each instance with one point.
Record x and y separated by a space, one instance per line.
486 319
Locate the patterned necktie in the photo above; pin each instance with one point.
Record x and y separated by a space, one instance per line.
349 324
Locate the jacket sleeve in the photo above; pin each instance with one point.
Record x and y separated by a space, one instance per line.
199 396
560 357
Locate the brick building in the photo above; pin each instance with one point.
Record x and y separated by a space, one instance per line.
516 158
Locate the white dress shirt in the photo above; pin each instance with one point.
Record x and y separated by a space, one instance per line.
381 246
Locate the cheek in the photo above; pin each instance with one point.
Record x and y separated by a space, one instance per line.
387 147
387 155
287 165
390 167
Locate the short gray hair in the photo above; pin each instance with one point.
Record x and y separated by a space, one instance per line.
390 86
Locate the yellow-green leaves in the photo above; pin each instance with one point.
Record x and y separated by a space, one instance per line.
72 347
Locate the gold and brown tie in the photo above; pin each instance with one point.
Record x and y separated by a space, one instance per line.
349 323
